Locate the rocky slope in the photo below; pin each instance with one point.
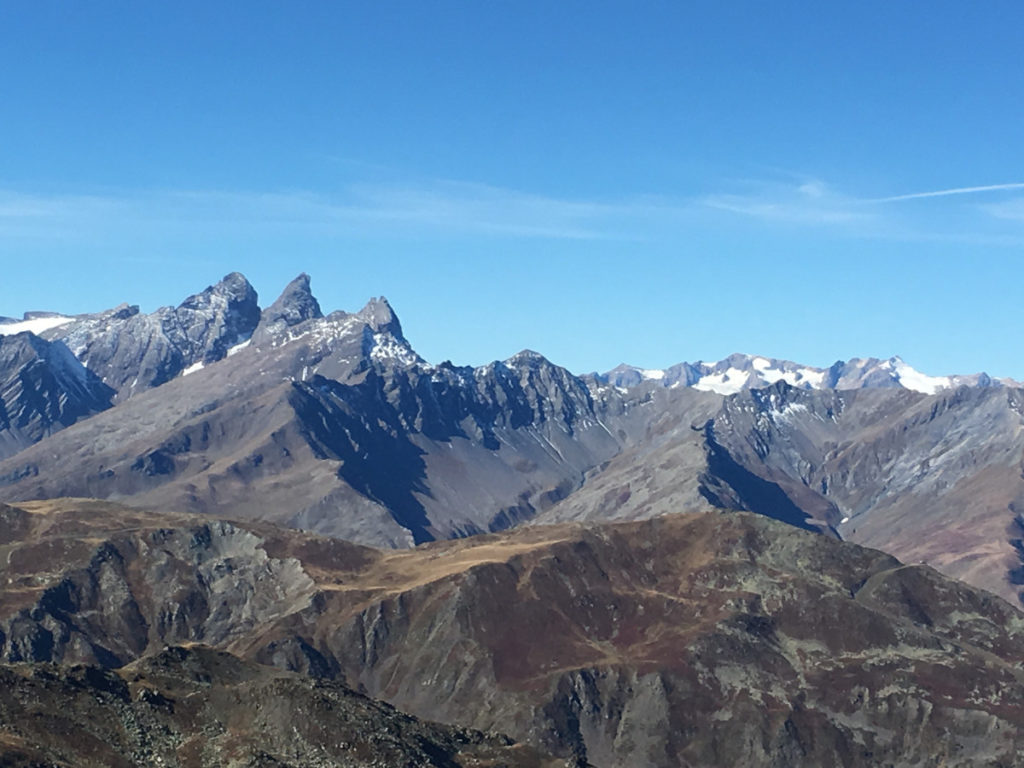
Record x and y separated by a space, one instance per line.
43 389
929 478
132 352
335 424
708 639
193 706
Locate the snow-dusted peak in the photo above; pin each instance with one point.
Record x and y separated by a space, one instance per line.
394 350
526 357
233 290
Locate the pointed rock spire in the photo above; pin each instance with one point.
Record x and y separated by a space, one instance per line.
206 325
295 305
233 291
379 315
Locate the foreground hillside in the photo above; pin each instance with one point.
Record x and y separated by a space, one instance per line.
193 706
714 639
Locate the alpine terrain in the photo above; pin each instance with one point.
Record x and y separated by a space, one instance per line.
244 535
334 424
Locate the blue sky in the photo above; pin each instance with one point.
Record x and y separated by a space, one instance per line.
603 182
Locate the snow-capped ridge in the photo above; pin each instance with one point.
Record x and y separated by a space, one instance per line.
738 372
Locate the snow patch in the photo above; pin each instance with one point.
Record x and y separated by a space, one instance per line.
36 325
192 369
386 348
917 381
804 378
728 383
239 347
792 408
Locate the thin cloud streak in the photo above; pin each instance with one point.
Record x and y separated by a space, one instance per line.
949 192
810 203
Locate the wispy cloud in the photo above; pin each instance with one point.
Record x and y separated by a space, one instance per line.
455 205
801 201
446 207
1010 210
805 202
22 206
949 192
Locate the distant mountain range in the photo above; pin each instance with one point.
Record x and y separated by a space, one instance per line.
333 423
738 372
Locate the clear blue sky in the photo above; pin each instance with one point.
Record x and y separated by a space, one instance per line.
646 182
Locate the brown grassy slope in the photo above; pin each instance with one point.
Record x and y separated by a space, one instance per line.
705 639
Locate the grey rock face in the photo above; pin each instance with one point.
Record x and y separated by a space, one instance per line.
455 451
294 306
133 352
345 431
381 317
204 326
116 600
43 389
200 707
933 478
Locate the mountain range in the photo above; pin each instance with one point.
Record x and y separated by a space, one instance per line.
738 372
334 424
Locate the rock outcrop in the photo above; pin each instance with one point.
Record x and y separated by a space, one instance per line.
194 706
43 389
133 352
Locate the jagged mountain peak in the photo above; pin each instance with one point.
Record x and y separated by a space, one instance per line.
233 288
294 306
379 315
207 324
